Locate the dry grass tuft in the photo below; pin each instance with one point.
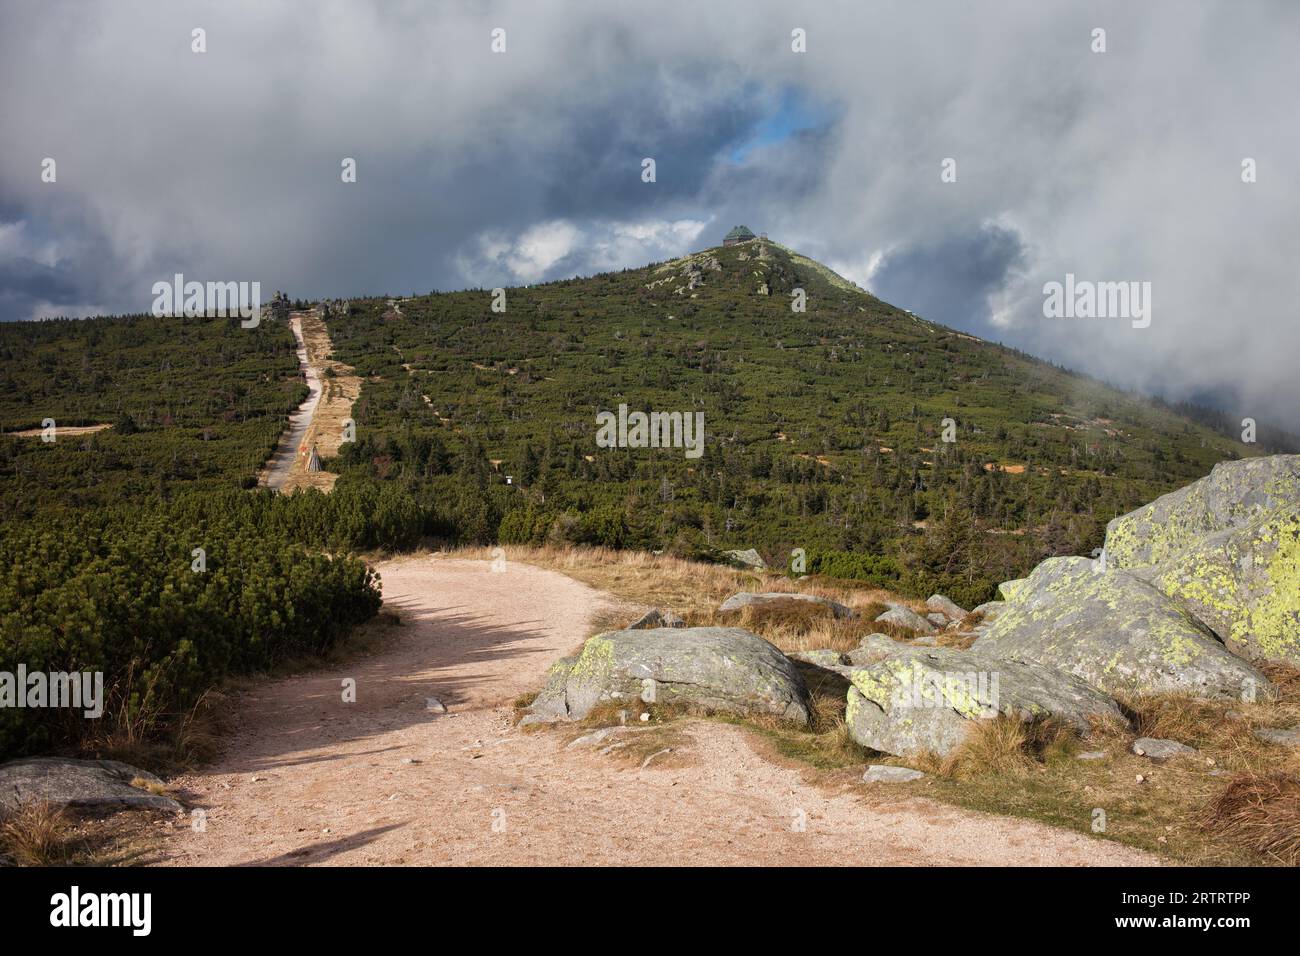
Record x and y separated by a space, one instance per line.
793 626
165 743
156 787
960 640
1286 679
695 591
37 834
1002 745
1224 728
1175 716
1260 811
793 617
612 619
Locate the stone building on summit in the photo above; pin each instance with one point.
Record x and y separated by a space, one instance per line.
737 235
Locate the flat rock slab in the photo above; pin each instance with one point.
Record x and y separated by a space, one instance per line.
64 782
1155 748
593 738
883 773
745 599
717 668
1282 736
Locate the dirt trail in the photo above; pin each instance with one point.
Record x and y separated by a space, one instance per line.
61 431
308 779
277 470
319 421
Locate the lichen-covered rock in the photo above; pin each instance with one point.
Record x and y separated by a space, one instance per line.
989 610
720 668
1008 588
873 647
1117 633
1227 548
906 699
945 606
94 784
748 558
1244 583
905 617
1049 575
745 599
1234 495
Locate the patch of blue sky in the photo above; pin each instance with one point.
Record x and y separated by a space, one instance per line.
794 112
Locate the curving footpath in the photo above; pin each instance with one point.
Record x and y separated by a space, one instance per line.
309 779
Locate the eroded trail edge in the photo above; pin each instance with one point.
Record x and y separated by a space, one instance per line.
310 779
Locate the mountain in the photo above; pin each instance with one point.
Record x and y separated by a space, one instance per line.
134 542
824 428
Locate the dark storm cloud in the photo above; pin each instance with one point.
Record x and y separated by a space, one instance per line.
953 277
27 286
589 174
35 281
484 169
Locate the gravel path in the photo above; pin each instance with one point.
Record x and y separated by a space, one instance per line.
277 469
309 779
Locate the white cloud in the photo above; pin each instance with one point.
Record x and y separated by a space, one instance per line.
489 169
861 270
559 249
539 248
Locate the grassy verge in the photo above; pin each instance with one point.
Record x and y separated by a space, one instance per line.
1235 802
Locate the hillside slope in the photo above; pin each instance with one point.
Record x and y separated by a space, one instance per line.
824 428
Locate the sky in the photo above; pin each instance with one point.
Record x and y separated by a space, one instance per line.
478 168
